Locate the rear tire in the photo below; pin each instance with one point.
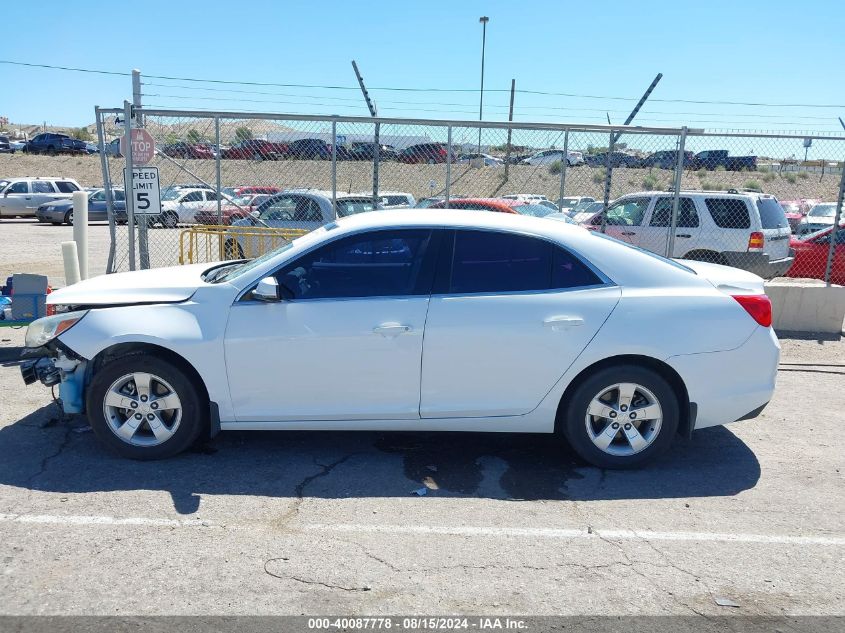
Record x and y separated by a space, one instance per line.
69 218
169 410
609 429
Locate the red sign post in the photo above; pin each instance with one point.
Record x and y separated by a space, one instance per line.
143 146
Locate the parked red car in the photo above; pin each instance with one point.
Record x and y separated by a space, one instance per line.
500 205
256 149
244 206
811 256
182 149
430 153
237 192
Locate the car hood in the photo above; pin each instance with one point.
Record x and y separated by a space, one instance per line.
157 285
732 281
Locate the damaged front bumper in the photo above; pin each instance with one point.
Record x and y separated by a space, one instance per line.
56 366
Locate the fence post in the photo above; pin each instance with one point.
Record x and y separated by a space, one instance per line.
831 250
608 165
334 167
107 186
679 172
449 163
217 170
376 156
510 130
564 163
127 184
136 93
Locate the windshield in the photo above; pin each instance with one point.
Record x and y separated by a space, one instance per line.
823 211
172 194
534 210
239 268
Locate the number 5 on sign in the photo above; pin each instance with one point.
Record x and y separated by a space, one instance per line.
146 192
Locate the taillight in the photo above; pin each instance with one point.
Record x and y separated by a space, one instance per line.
758 306
756 241
442 152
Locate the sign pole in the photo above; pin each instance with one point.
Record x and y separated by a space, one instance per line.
127 182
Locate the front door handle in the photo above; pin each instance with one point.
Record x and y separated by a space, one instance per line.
558 322
628 233
391 329
683 235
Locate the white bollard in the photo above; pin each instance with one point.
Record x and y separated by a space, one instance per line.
80 230
71 260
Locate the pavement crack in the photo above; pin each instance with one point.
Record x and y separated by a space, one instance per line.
45 461
305 581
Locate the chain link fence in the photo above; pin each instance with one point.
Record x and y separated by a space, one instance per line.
753 200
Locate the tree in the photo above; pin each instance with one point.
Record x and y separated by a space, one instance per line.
194 136
243 134
81 134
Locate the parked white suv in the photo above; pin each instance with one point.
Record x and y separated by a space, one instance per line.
21 197
745 230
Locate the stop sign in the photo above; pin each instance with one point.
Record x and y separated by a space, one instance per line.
143 146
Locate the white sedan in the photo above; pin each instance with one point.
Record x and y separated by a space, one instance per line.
416 320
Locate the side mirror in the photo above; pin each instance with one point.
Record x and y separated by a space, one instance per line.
267 290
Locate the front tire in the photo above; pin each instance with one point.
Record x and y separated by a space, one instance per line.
621 417
69 218
169 220
144 407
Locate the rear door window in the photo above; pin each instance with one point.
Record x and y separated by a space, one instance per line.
662 214
628 212
729 213
485 261
42 186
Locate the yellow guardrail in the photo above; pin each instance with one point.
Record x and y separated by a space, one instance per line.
215 243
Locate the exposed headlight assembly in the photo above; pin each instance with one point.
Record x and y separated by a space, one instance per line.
42 331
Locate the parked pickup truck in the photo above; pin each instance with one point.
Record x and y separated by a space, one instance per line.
713 158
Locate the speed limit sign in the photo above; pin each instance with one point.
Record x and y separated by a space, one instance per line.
146 193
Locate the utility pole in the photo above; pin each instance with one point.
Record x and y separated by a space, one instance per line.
376 142
510 119
615 137
136 95
484 20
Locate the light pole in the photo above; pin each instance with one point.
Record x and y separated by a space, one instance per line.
484 20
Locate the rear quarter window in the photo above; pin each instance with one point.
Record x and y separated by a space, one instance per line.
66 187
772 215
729 213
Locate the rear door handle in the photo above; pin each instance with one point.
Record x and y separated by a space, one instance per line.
683 235
559 322
391 329
627 233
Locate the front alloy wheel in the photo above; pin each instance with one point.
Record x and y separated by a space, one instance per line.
142 409
143 406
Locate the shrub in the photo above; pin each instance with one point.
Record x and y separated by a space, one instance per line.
554 168
81 134
709 186
243 134
650 182
720 168
769 177
599 176
791 178
753 184
701 173
803 175
763 169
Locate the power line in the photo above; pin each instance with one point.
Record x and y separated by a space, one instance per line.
415 89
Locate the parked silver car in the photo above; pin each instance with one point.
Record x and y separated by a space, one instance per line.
21 197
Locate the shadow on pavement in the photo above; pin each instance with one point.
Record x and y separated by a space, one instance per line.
60 458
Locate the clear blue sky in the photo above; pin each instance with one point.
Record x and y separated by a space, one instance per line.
773 52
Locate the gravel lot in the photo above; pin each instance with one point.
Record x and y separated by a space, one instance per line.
261 523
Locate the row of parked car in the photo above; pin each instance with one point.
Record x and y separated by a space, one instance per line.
744 229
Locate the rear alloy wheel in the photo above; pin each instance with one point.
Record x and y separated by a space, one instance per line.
144 407
169 220
622 417
69 217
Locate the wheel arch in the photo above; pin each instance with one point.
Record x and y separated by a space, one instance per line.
687 410
120 350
